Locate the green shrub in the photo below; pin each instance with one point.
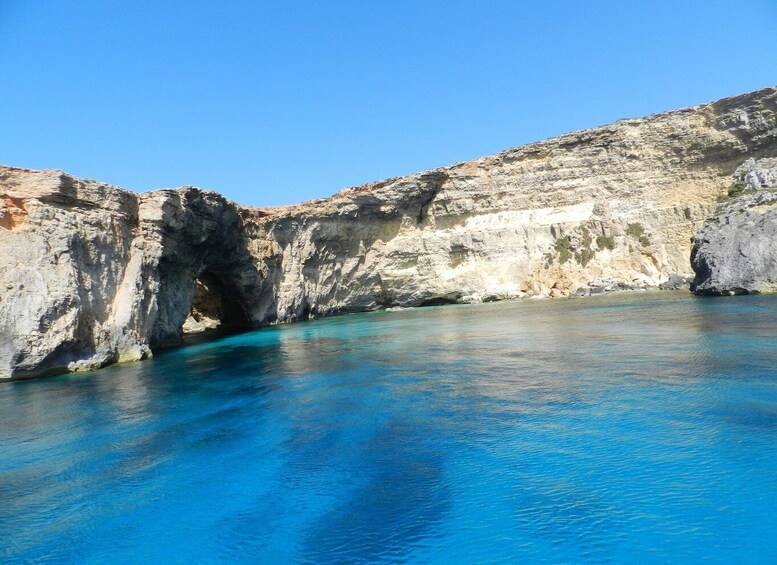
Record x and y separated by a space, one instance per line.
644 240
605 242
562 248
586 236
736 189
585 255
635 230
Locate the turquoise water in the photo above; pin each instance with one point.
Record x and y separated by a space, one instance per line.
632 428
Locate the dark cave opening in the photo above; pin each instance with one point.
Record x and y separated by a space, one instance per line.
437 301
215 307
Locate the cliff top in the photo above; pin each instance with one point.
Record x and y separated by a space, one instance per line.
56 182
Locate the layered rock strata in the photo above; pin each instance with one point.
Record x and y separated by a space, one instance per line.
91 274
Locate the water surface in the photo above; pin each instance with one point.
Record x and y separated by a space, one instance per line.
631 428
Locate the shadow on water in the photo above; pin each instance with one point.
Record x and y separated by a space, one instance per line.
400 504
391 494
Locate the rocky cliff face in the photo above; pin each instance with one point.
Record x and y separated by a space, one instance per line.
734 251
91 274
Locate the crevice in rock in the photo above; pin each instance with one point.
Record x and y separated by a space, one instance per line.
435 180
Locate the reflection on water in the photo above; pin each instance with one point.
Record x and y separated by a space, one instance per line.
626 428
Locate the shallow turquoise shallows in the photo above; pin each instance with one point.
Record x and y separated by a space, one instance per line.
636 428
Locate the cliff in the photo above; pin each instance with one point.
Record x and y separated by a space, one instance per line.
91 274
734 251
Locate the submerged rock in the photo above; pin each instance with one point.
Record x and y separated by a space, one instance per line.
91 274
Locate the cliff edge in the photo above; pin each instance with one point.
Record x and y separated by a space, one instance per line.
91 274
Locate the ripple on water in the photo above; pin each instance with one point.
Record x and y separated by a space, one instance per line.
617 429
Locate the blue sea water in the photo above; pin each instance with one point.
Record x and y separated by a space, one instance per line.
621 429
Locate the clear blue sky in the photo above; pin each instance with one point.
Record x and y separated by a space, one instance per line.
278 102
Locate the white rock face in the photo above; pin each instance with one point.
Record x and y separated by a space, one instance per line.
91 274
757 174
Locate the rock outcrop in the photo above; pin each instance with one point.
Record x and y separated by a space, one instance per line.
91 274
735 252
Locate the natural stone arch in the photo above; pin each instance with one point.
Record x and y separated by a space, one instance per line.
206 277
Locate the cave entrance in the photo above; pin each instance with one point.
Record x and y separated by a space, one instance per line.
214 308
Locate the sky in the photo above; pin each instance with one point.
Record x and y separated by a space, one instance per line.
274 103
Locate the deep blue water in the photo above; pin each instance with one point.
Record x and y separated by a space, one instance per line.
632 428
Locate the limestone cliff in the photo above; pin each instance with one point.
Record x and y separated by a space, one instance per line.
734 251
91 274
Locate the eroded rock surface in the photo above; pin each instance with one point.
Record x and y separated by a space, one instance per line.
91 274
735 252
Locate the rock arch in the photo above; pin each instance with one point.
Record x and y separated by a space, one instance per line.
206 277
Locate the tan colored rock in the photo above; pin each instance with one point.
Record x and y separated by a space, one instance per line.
91 274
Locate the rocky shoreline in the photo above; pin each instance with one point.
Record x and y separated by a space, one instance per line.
91 274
